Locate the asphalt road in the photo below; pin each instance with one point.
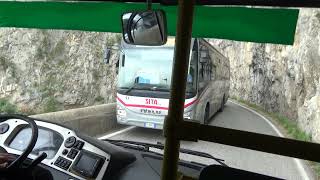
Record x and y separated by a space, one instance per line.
236 117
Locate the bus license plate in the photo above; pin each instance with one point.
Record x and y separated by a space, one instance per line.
149 125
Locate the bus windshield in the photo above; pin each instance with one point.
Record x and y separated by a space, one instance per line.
148 69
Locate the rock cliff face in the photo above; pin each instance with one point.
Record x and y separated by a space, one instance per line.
47 70
284 79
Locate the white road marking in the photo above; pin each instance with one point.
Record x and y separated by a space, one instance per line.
297 161
117 132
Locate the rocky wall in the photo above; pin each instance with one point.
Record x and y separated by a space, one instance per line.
283 79
50 70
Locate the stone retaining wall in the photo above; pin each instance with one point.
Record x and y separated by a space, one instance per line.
93 120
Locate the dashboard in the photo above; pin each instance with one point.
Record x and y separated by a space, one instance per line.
66 151
72 155
48 141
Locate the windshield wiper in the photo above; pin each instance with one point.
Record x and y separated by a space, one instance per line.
160 89
153 88
134 86
145 147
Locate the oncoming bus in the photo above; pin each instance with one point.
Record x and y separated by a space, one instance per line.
145 76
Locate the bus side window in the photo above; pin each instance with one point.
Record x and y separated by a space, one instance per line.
204 66
218 67
214 66
213 72
192 76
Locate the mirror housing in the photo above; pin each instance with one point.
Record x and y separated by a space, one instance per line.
144 28
107 52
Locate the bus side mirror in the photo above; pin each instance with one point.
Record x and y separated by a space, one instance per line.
107 53
117 66
144 28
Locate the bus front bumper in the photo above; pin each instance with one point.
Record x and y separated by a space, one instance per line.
150 123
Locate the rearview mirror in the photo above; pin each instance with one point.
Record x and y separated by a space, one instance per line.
144 28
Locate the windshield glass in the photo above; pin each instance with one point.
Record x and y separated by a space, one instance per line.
149 68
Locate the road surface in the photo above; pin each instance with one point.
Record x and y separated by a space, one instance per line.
236 117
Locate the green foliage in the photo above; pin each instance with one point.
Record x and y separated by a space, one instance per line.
44 48
316 167
51 105
61 62
7 107
99 99
95 75
47 50
318 16
27 110
3 63
6 64
290 126
50 85
118 37
113 39
59 48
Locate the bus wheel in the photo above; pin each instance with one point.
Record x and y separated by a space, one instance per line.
222 105
206 115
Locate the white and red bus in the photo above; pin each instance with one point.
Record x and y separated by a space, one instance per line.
144 83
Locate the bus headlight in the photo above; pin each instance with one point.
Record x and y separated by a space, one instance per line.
187 115
121 112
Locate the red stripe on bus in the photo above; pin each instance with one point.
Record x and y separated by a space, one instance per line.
142 106
190 103
153 107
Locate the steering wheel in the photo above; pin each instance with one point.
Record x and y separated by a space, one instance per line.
15 165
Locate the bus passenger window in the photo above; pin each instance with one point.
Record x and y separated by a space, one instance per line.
213 72
192 75
202 72
204 63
